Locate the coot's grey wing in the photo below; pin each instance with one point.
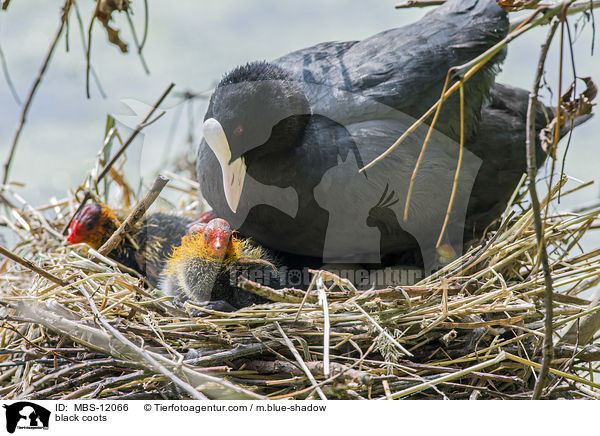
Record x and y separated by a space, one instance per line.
322 63
405 68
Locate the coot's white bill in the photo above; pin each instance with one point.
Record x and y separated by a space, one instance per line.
234 172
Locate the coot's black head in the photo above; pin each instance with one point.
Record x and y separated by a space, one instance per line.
256 110
258 103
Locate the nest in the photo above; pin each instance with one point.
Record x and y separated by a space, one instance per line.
75 325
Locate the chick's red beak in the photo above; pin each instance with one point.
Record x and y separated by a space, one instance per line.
74 237
76 233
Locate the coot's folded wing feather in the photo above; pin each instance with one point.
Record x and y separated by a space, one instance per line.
405 68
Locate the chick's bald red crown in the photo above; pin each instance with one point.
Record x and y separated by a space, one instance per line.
87 224
216 234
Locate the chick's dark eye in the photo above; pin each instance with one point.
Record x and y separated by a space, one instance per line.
238 130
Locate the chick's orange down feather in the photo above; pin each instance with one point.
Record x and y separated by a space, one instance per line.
206 265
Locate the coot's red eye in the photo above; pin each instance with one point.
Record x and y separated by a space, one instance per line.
238 130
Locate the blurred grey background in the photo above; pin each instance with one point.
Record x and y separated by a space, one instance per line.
192 44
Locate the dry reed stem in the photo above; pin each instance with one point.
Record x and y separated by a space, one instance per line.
536 210
134 216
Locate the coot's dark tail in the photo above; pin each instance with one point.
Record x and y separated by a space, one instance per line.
500 144
574 122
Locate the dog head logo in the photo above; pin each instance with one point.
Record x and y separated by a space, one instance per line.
26 415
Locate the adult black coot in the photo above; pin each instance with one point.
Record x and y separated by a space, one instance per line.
283 141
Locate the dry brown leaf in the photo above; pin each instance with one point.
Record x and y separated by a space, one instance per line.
104 14
581 105
570 110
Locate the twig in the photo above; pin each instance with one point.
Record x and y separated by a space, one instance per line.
593 29
473 66
139 351
464 72
137 130
238 352
427 384
419 4
577 7
84 46
67 34
300 361
52 317
321 289
343 372
57 375
54 353
575 78
556 134
587 353
104 383
536 210
368 380
138 45
9 82
285 295
470 68
145 35
587 391
136 214
306 294
33 267
556 372
413 177
70 383
383 332
153 120
458 165
583 332
88 52
36 83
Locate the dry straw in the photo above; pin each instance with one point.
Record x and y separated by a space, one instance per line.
86 329
75 324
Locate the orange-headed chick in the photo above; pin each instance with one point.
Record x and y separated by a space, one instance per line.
206 265
93 225
145 249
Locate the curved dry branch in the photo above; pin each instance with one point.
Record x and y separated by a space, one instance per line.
536 209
